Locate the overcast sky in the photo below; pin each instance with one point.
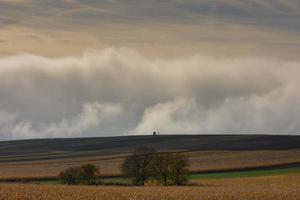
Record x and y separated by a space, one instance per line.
79 68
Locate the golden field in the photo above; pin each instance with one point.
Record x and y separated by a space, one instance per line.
262 188
110 164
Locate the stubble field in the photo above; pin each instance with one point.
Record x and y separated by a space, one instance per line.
272 188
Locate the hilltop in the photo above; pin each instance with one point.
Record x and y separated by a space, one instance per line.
124 144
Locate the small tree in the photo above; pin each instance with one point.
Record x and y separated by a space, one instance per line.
89 174
178 169
86 174
138 166
161 167
70 176
170 169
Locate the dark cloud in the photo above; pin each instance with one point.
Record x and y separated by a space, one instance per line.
118 91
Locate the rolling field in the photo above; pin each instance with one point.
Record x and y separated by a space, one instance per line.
223 167
45 158
284 187
200 161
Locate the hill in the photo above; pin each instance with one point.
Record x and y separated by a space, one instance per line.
125 144
47 157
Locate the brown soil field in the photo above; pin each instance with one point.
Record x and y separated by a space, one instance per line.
110 164
263 188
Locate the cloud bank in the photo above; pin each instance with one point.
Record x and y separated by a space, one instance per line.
119 91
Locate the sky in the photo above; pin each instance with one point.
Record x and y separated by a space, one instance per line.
83 68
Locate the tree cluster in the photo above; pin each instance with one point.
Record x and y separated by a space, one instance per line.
146 164
86 174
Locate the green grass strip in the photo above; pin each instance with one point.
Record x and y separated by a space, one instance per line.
250 173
